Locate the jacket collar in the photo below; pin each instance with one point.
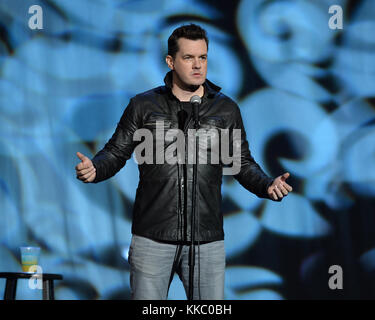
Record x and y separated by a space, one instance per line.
210 88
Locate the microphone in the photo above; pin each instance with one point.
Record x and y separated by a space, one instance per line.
195 101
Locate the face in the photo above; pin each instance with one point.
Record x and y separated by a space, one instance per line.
190 62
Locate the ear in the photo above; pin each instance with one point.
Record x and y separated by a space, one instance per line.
169 61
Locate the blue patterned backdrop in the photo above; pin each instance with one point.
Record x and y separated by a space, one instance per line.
306 94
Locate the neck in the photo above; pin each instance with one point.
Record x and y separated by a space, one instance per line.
183 92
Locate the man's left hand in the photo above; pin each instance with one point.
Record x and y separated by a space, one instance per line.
279 188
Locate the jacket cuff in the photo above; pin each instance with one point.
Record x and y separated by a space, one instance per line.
97 168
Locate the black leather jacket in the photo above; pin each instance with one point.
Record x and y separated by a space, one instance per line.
162 208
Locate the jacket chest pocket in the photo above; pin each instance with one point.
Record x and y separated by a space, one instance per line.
209 138
210 128
158 125
211 122
158 121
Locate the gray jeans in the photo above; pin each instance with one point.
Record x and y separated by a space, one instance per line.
152 270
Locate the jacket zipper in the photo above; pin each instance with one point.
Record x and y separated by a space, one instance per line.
181 180
181 198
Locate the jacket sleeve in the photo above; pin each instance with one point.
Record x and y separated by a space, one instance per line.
250 175
120 146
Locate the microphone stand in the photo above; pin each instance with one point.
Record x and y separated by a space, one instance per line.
194 198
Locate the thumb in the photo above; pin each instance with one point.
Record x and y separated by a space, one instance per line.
81 156
285 176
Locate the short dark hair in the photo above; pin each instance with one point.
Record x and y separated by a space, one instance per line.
191 32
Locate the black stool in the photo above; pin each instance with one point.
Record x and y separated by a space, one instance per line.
11 283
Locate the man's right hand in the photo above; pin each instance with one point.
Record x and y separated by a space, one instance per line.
85 170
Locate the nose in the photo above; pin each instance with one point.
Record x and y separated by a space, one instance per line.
196 64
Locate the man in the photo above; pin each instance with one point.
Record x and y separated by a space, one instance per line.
162 211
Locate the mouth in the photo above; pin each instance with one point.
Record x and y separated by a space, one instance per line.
197 74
